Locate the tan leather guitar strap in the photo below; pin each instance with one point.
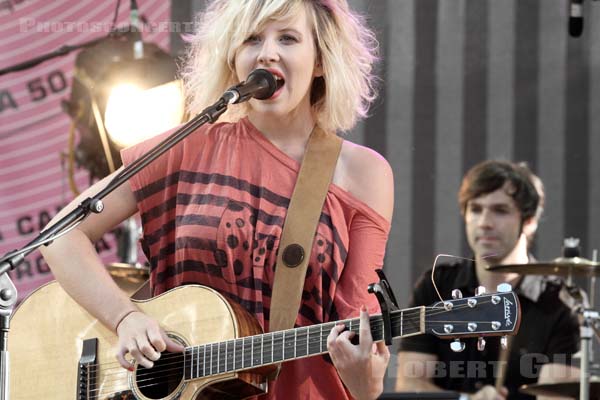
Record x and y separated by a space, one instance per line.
304 211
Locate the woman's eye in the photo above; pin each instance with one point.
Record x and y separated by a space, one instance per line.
252 39
288 38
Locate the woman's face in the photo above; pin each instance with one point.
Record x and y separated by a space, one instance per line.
287 49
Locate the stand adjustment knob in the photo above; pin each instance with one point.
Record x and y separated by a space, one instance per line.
6 294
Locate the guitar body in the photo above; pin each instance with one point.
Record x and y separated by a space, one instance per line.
47 337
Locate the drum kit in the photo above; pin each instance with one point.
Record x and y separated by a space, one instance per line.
568 267
131 278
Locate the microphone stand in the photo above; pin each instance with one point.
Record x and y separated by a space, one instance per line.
62 51
8 292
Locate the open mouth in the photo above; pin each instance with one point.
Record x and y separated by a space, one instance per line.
279 81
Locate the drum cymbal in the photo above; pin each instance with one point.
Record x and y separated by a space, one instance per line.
562 389
575 266
127 276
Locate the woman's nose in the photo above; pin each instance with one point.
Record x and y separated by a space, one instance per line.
268 52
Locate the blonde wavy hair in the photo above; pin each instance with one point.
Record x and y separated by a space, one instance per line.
346 49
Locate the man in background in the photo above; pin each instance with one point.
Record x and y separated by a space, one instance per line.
501 203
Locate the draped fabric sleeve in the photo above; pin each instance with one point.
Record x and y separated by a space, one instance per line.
368 236
160 168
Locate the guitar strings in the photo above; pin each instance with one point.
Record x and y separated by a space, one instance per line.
394 318
376 318
376 328
179 369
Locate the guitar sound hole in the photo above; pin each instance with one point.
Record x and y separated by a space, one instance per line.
163 379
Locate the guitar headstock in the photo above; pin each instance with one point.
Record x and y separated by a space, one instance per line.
494 314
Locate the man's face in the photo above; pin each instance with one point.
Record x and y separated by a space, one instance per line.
493 225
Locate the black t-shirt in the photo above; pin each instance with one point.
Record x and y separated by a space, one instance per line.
548 333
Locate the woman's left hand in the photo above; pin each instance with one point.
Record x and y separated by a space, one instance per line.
361 367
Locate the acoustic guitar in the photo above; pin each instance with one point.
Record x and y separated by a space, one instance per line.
59 351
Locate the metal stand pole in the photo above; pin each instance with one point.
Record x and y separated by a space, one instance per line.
589 318
8 298
584 380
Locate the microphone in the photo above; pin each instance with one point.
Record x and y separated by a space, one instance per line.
260 84
576 18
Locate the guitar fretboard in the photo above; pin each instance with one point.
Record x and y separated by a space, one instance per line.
269 348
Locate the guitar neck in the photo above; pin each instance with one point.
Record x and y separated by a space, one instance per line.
275 347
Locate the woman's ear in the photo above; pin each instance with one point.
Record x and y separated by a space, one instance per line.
318 71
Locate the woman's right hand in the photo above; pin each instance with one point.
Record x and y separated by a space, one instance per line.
142 337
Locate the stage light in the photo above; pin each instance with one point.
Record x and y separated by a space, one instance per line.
121 96
133 114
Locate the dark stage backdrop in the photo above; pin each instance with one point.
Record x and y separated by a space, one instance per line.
468 80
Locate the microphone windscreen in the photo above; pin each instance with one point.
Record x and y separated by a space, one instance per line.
266 81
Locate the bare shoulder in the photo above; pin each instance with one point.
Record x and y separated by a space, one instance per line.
367 176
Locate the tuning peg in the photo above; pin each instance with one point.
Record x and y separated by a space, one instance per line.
456 294
504 288
504 342
457 346
480 291
481 343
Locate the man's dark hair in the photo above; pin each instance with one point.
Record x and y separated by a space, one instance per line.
489 176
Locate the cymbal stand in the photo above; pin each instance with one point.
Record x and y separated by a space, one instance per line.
589 318
592 301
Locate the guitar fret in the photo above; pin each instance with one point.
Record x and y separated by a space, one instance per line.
307 340
255 359
239 354
289 350
196 366
295 341
402 323
321 337
243 348
262 343
211 363
276 337
191 363
218 356
272 345
234 346
314 340
204 361
226 355
248 354
251 352
268 343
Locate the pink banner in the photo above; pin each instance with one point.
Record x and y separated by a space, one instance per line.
33 128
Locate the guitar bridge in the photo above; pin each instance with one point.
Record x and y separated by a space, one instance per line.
86 373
